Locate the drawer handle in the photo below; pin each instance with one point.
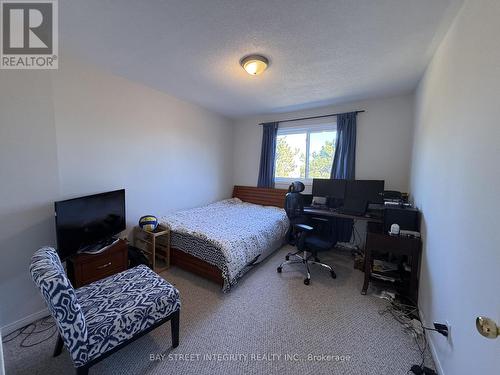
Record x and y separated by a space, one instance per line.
104 266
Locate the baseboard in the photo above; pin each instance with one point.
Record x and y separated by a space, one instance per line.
2 367
9 328
430 342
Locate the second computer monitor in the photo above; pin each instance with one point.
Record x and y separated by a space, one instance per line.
330 188
369 190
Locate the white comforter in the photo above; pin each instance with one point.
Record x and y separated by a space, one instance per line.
240 230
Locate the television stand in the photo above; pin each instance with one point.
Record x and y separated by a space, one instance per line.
85 268
101 247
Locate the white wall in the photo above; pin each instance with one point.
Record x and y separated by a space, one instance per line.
112 133
29 183
384 130
79 131
455 181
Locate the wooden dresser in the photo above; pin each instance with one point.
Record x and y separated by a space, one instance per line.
84 269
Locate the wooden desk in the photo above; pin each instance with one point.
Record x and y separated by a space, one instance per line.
370 217
327 215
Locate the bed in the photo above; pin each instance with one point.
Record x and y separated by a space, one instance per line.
223 240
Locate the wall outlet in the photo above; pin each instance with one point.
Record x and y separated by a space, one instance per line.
443 329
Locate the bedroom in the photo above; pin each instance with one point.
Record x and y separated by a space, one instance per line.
165 111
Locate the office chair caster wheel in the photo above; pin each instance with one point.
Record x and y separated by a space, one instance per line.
334 275
287 258
307 281
278 269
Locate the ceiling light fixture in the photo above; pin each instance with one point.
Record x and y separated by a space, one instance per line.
254 64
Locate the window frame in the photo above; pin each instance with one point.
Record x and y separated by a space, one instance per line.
308 129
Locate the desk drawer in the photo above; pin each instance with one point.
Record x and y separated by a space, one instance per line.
90 268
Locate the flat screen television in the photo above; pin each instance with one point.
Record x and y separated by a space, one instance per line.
90 222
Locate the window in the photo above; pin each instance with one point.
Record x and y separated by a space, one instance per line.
305 153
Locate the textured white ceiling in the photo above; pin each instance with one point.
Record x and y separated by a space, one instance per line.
321 52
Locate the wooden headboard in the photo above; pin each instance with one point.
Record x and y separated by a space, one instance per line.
263 196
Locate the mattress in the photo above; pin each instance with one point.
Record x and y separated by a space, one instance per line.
229 234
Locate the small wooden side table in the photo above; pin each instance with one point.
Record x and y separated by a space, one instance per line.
397 245
156 245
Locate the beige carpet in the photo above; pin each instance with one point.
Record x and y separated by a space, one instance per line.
269 324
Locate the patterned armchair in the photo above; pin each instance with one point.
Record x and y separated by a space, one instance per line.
98 319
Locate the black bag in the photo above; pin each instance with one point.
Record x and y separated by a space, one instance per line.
136 257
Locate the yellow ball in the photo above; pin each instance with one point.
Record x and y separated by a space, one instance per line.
148 223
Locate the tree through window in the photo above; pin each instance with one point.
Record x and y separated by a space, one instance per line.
305 153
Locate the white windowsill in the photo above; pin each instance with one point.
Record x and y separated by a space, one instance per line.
282 181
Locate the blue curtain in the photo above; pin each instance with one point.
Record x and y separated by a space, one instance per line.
343 167
344 161
268 155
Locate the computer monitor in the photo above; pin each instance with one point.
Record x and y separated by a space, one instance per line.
331 188
369 190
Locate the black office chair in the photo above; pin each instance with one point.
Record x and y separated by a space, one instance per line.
304 237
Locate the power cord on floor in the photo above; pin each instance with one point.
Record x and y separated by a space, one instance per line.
407 316
31 331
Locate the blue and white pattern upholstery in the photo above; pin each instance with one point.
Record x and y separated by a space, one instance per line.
100 316
48 274
122 305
